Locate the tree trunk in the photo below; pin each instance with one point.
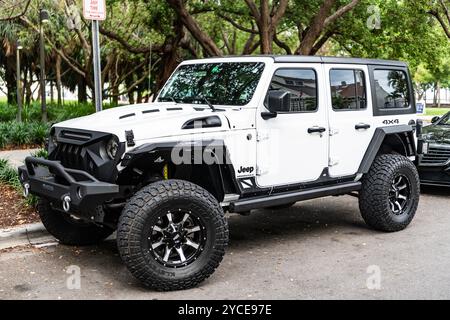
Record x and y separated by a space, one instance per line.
82 92
315 28
170 57
191 24
131 97
52 97
438 94
10 79
435 95
58 78
265 32
27 88
114 87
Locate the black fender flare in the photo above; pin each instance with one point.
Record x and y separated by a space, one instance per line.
377 142
221 170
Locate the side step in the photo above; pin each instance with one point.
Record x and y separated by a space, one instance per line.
293 196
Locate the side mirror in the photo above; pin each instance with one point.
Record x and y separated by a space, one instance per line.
435 119
279 101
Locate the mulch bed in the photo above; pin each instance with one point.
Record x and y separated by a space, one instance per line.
13 210
12 147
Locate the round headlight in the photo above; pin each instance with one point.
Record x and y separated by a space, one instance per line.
111 148
54 140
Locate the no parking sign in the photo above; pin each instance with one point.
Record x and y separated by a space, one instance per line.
94 9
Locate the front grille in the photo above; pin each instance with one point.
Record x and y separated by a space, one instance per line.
436 155
74 157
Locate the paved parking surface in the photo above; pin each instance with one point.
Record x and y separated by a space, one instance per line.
16 157
316 250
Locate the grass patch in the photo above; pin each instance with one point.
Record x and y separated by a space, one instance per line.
436 111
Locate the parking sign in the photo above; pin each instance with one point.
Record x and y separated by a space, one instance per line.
94 9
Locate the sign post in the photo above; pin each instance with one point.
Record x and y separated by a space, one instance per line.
95 10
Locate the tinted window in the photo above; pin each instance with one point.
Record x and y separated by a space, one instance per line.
302 86
220 83
445 120
348 89
391 89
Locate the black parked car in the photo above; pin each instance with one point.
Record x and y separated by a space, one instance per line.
434 164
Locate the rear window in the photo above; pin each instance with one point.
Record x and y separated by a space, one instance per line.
348 89
391 89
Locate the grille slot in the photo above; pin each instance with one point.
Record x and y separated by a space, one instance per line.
436 155
80 136
70 156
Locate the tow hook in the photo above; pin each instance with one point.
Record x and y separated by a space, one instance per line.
26 189
66 203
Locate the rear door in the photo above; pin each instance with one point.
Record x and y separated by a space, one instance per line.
350 112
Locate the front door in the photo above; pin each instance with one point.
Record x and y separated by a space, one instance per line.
293 146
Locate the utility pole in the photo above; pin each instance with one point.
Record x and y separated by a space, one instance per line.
43 18
19 83
95 10
97 66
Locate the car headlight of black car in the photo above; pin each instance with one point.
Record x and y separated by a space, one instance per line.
112 147
426 136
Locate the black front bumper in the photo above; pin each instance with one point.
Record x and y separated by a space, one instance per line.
51 180
435 175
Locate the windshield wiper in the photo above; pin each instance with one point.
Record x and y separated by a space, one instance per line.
210 105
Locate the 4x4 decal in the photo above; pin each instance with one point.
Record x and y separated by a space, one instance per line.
391 121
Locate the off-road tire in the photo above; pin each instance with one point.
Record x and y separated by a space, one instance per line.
374 196
150 204
69 231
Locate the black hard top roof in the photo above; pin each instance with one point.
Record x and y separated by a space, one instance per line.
338 60
321 59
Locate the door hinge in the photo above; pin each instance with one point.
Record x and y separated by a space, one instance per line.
260 136
333 162
333 132
260 171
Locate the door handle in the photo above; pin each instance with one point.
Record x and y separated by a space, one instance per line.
316 130
360 126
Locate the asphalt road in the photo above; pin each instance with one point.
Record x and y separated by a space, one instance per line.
318 249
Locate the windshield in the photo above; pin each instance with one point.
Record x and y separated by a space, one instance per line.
445 120
228 83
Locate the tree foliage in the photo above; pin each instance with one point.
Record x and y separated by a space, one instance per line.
143 41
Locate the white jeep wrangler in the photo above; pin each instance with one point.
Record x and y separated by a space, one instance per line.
229 134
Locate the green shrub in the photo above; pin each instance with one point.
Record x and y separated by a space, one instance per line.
39 132
41 153
20 133
32 112
23 133
10 176
7 112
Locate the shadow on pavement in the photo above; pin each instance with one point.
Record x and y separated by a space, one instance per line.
435 191
304 220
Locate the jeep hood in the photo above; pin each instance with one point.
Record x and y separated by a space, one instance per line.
148 120
437 133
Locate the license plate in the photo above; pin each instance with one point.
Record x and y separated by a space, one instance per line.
425 148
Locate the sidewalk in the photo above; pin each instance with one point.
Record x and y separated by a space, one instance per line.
16 157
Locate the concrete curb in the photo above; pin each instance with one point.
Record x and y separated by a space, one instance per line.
33 234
